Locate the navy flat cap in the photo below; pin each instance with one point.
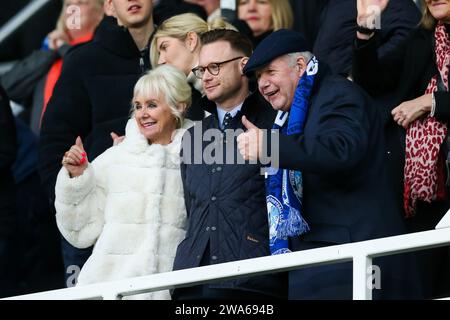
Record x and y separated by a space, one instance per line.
276 44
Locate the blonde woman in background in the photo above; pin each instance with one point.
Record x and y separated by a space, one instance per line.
265 16
177 42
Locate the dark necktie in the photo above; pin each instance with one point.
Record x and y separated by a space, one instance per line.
226 121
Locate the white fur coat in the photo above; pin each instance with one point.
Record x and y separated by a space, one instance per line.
129 203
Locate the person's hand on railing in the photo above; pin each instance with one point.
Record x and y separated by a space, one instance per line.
75 160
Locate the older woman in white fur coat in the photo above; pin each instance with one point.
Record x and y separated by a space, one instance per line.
129 200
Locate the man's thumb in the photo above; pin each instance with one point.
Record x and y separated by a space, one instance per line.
247 124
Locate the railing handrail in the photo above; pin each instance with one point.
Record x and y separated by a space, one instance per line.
360 252
20 18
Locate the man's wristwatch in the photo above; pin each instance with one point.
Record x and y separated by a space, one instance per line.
365 30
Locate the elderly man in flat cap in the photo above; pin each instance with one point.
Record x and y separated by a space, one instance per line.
331 187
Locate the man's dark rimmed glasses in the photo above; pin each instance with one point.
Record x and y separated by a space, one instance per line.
213 68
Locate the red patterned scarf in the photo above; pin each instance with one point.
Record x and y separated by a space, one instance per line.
424 161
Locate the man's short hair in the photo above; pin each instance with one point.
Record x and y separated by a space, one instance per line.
237 40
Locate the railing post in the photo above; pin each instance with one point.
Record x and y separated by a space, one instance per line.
361 289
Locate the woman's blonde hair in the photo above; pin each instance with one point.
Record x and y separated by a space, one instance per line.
179 26
61 23
282 17
428 21
168 83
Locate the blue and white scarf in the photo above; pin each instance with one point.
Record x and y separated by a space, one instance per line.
284 189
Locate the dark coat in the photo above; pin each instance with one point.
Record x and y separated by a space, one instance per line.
404 70
169 8
91 98
8 150
307 18
347 197
195 112
226 205
405 73
336 30
346 194
8 214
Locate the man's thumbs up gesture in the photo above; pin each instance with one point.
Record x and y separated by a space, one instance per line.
249 142
75 160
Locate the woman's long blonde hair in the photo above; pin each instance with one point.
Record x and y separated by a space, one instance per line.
282 17
428 21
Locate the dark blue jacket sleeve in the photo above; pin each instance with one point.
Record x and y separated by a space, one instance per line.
336 133
397 21
337 31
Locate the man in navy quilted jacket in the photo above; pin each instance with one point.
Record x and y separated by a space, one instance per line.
225 200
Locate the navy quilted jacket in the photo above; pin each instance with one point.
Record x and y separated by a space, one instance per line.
226 204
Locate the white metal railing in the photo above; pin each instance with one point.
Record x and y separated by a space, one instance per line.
21 17
360 252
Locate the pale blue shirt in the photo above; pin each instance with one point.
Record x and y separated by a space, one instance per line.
221 113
